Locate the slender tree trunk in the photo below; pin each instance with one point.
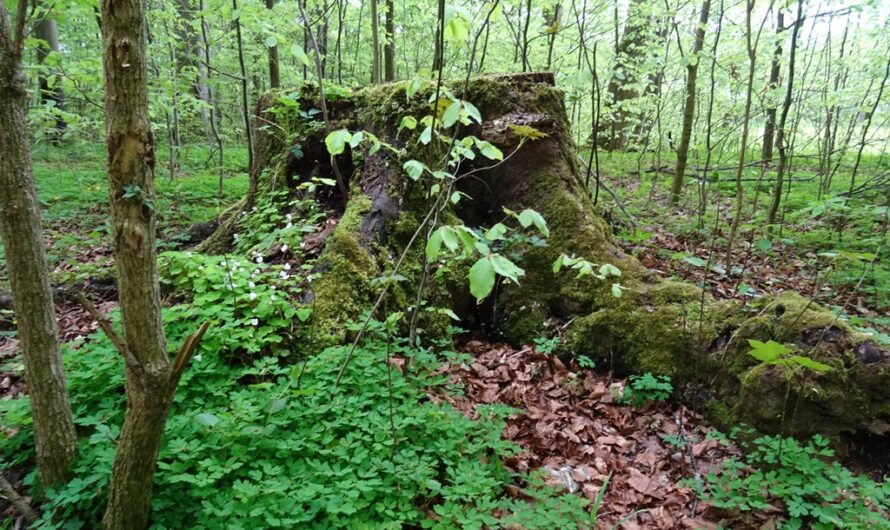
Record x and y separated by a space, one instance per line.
769 130
528 19
553 30
865 127
781 142
743 143
439 51
274 72
47 30
151 379
191 55
211 101
375 43
54 434
709 120
389 50
245 108
689 106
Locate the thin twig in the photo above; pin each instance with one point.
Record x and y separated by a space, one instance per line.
21 505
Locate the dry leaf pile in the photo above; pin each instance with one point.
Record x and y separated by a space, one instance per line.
573 427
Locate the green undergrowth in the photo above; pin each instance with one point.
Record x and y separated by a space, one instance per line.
275 444
836 238
815 491
72 188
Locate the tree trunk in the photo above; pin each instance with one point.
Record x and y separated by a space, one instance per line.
658 326
769 130
629 58
151 379
689 105
192 55
780 137
47 30
751 48
389 49
274 74
54 435
375 43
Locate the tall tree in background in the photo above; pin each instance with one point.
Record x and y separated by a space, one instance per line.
622 86
689 105
375 43
274 71
151 378
47 30
389 49
781 141
769 130
54 434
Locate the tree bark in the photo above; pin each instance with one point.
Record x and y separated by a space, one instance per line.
151 379
274 72
375 44
54 435
781 142
689 105
769 130
47 30
389 49
628 58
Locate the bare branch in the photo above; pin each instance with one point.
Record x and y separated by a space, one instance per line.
108 329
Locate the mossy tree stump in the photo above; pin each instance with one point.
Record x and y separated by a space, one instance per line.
658 326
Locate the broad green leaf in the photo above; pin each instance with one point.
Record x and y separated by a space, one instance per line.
806 362
356 139
271 41
506 268
414 168
434 245
412 88
496 232
768 352
530 217
481 279
408 122
616 290
426 136
206 419
489 151
473 112
452 113
336 141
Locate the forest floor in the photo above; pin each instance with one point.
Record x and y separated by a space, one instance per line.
651 458
827 249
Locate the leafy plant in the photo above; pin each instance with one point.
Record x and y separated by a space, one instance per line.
646 387
815 491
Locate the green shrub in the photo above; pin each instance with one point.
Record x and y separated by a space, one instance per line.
817 492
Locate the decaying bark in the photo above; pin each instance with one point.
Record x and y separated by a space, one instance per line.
657 326
55 438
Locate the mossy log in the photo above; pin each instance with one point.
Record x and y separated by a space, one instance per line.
658 326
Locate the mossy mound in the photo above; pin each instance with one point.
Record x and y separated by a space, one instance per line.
660 326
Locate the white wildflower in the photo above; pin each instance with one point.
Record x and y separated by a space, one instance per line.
251 285
255 321
287 266
284 248
252 296
259 259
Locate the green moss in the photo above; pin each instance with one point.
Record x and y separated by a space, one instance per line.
343 289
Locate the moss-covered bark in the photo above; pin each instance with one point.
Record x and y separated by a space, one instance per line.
661 326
